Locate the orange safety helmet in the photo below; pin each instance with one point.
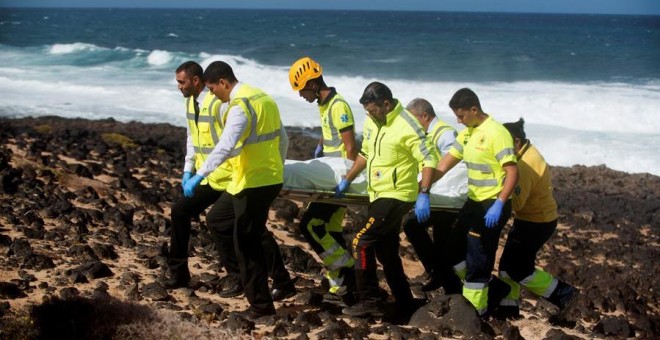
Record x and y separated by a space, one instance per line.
303 70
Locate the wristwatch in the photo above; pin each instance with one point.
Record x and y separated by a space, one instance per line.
424 190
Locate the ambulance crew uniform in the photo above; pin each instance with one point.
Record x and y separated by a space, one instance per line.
322 223
202 135
534 223
252 143
393 151
444 256
484 149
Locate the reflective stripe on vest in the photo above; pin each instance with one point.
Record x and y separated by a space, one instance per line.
335 140
205 119
205 139
254 137
256 160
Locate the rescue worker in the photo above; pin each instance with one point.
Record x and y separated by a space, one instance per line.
189 77
534 222
203 130
393 148
251 142
321 224
486 148
443 257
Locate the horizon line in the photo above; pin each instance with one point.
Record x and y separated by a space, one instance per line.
328 9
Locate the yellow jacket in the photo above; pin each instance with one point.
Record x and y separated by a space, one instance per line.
393 152
532 199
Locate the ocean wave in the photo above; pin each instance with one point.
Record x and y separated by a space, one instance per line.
159 58
73 48
585 123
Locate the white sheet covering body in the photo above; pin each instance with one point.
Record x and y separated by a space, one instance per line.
323 174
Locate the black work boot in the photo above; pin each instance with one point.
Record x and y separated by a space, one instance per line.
235 288
564 297
497 290
179 276
284 291
364 308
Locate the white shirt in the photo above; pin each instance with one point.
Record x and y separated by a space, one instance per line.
446 139
234 127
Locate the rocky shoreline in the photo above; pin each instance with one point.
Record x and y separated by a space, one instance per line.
84 208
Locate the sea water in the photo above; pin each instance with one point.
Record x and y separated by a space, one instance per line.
588 86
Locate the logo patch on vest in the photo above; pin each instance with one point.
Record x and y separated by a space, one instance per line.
377 175
344 118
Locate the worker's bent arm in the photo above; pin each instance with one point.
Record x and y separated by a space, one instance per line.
446 163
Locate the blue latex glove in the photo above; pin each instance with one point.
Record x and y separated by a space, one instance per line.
186 177
342 188
423 207
493 214
189 187
319 151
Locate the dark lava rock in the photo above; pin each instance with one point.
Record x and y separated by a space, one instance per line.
38 262
236 322
614 326
281 329
69 293
20 248
558 334
336 330
510 332
95 269
212 309
104 251
451 312
155 292
82 251
10 291
285 209
5 240
299 260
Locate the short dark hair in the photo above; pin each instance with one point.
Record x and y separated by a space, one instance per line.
464 99
192 69
517 129
319 81
219 70
376 93
420 105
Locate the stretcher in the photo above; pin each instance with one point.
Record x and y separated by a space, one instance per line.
314 180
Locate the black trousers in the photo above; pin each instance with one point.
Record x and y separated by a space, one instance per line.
482 242
440 254
242 218
523 243
183 210
379 239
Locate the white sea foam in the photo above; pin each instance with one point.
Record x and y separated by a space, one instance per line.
158 57
615 124
72 48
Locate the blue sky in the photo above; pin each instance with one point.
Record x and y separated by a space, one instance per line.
651 7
